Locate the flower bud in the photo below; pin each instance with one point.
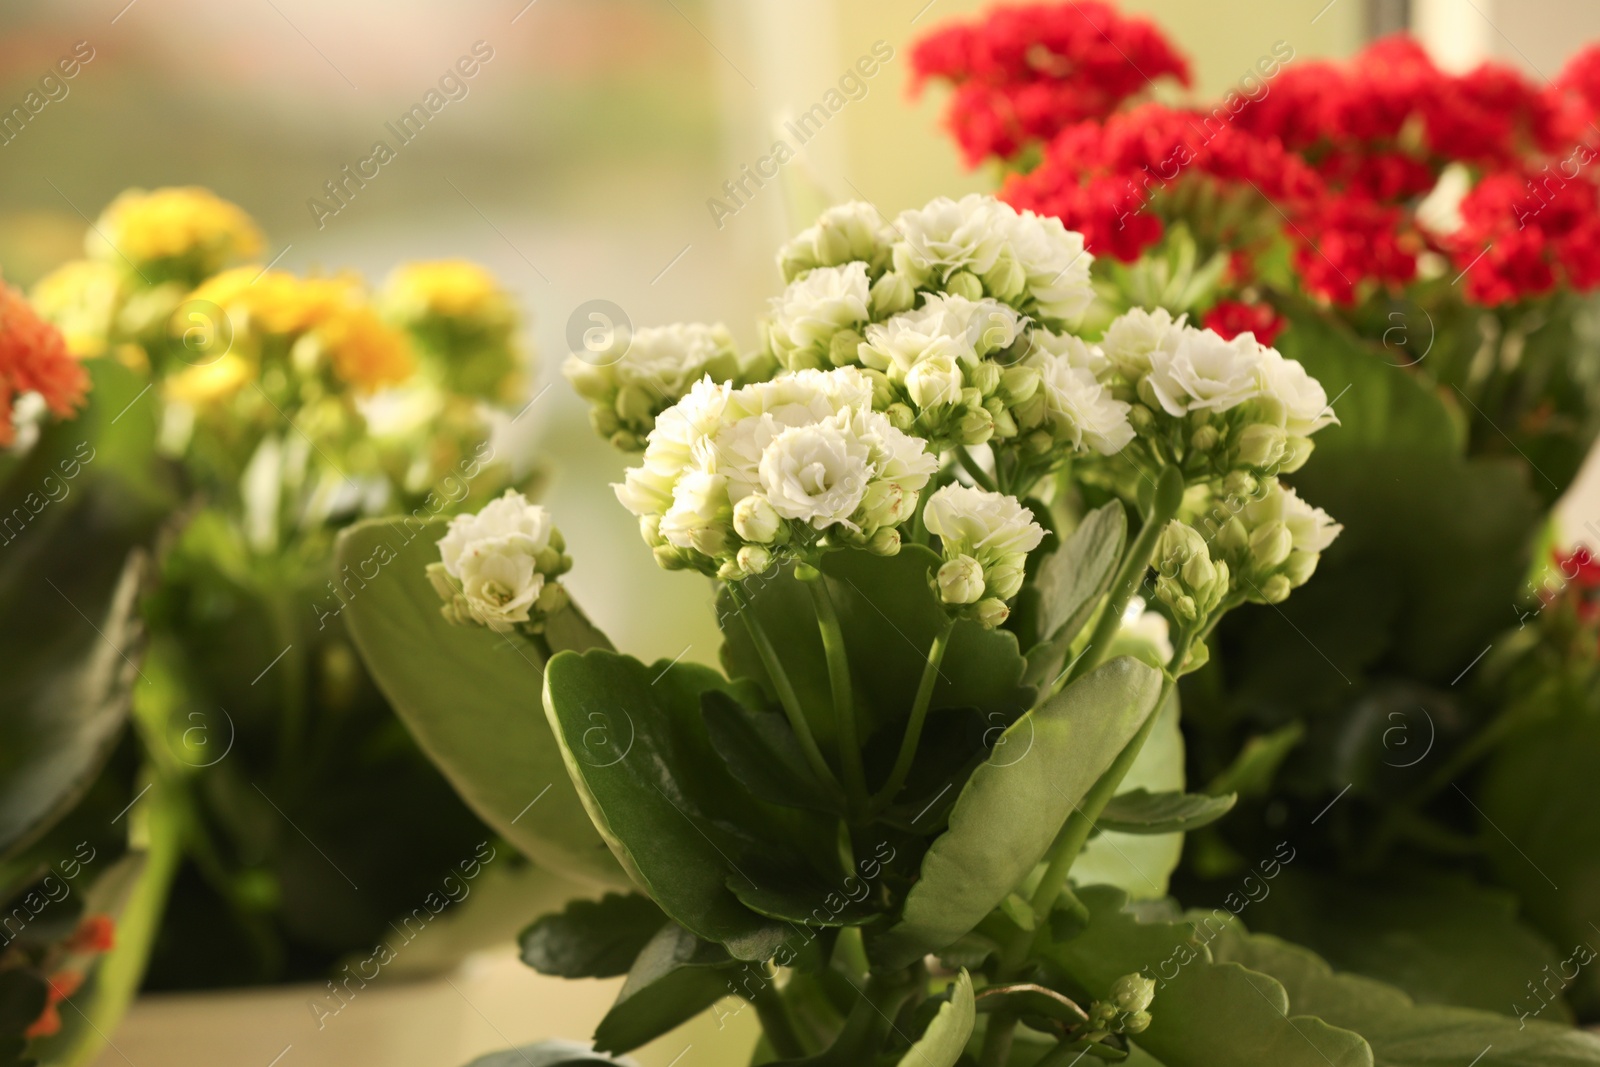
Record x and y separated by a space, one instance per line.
1019 383
1300 566
882 389
961 581
901 417
1006 280
886 542
975 427
842 348
669 558
1005 427
1260 446
964 283
604 420
1204 439
892 294
1141 419
1136 1023
650 529
1296 451
754 519
991 613
985 377
730 571
1270 545
1275 589
1005 578
552 598
934 381
1133 992
1240 485
754 559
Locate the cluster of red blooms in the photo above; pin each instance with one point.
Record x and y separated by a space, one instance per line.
1230 318
94 935
1027 70
34 359
1334 158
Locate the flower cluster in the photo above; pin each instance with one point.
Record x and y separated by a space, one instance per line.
1273 543
1332 159
985 538
735 478
498 568
34 359
950 310
463 325
177 234
655 368
1026 70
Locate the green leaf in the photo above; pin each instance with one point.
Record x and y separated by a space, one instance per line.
1141 812
676 977
1439 937
1402 1033
889 615
1014 804
761 750
70 643
1541 830
635 741
592 938
1253 769
548 1054
1206 1011
470 697
945 1039
1070 584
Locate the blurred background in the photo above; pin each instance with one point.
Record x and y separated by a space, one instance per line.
585 160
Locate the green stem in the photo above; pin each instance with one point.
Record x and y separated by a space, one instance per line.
1168 496
786 693
997 1040
778 1022
291 687
867 1027
844 711
919 715
979 475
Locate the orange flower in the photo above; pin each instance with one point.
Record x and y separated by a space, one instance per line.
366 352
61 986
34 359
96 933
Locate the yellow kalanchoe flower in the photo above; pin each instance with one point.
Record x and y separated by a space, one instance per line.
366 352
199 386
80 297
452 287
187 232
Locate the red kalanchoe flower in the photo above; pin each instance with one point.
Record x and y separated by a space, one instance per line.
1022 72
1578 567
96 933
34 359
1230 318
61 986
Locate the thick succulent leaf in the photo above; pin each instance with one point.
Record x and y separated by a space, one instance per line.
592 938
470 697
1440 938
1541 828
945 1039
1401 1032
635 741
548 1054
1141 812
72 641
1015 803
1071 582
889 615
761 750
1206 1012
676 977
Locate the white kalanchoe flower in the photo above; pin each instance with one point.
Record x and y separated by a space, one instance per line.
842 234
498 567
774 464
1055 266
655 368
992 529
1072 401
1303 401
1275 542
1133 338
813 309
949 236
1203 372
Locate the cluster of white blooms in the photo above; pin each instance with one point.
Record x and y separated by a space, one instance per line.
985 538
498 568
951 309
630 378
1209 405
1273 543
736 478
